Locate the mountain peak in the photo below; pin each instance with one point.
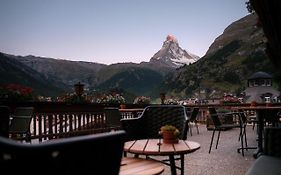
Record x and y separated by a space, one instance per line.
171 38
172 55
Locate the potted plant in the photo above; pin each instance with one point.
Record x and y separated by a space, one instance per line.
112 99
142 100
122 106
253 103
169 133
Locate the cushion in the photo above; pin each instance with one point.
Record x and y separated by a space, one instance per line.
265 165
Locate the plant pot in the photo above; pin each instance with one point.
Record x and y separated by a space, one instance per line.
253 103
268 104
122 106
169 137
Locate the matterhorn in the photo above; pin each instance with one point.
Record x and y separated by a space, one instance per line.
172 55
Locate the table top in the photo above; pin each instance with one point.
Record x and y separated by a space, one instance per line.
258 107
139 166
157 147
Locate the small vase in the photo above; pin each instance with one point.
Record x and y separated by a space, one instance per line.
169 137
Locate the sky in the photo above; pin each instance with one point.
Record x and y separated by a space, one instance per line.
112 31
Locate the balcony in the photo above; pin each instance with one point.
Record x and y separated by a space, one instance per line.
55 121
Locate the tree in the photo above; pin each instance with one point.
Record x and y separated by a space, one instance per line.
249 7
269 13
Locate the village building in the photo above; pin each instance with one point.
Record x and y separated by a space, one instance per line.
260 89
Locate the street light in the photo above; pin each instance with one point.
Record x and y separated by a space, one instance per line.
162 97
199 88
79 89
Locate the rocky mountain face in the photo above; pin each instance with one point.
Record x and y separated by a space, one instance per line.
172 55
64 71
231 59
15 72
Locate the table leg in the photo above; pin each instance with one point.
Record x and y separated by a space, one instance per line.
260 119
182 164
172 165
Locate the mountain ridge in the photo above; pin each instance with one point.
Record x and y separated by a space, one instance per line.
15 72
100 76
237 53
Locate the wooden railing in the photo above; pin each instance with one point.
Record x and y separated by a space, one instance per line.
58 124
58 120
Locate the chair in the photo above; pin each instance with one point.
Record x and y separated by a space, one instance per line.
193 121
218 126
148 124
243 121
252 118
20 123
4 121
88 154
113 118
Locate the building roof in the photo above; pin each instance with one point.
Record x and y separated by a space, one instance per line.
260 75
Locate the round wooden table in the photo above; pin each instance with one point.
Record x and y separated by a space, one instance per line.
139 166
156 147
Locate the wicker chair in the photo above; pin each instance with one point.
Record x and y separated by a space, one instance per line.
4 121
20 123
148 124
113 117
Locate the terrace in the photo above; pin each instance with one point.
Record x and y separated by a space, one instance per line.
55 121
58 120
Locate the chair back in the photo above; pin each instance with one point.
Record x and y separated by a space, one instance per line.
88 154
272 141
113 117
148 124
4 121
214 116
20 123
243 118
194 114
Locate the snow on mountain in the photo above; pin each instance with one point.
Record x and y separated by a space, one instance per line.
172 55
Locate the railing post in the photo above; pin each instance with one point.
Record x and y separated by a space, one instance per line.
50 126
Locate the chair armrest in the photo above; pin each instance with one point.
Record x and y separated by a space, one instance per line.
133 128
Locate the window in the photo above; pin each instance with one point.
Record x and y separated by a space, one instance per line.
256 83
251 83
267 99
268 82
263 82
